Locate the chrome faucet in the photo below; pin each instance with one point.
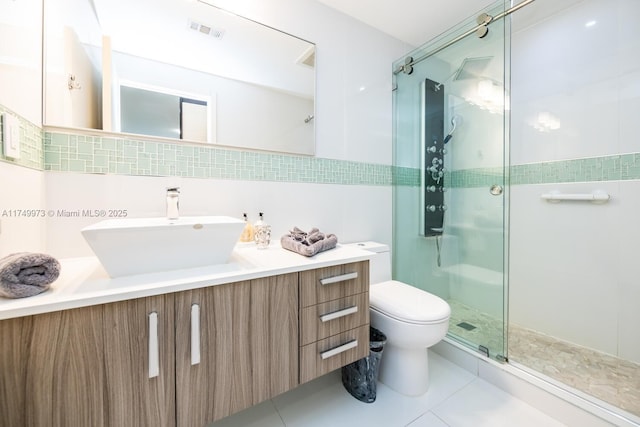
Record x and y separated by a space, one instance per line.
173 206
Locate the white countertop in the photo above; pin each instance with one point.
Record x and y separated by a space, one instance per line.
83 281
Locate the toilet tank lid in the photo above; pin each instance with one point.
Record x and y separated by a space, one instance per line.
371 246
407 303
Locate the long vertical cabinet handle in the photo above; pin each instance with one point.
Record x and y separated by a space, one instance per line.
154 351
195 334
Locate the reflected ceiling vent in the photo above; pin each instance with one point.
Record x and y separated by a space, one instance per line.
308 57
207 30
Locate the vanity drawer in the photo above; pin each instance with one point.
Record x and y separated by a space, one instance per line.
331 353
330 318
330 283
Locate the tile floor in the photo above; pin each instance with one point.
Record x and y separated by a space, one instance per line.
611 379
606 377
455 398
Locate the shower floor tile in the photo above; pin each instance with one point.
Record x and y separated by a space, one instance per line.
608 378
488 330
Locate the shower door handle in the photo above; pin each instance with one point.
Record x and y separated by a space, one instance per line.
496 189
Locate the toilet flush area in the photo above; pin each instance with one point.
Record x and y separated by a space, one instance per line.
450 163
489 129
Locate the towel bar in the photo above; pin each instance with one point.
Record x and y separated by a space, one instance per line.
594 197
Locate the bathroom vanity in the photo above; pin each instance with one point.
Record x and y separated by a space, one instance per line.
183 348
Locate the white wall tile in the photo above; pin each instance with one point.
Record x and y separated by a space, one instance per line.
350 124
553 71
628 272
352 212
22 189
564 264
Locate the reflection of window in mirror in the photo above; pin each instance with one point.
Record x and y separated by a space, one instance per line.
164 113
193 119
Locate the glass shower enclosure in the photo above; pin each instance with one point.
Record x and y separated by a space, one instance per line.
450 177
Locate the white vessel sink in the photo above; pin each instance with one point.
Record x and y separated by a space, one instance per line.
130 246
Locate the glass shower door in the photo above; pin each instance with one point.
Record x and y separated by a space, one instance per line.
450 180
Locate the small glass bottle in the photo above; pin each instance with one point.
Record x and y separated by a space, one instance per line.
247 233
262 232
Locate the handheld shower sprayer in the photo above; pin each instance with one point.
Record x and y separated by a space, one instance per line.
454 123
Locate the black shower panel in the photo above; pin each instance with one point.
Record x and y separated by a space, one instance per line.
434 171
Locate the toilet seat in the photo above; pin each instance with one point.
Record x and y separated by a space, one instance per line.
408 304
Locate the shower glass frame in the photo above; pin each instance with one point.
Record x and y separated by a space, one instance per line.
418 260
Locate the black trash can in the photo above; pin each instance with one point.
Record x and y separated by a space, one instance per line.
359 377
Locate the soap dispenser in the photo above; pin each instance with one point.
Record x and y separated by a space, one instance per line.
247 232
262 232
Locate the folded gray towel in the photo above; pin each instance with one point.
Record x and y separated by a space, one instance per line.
308 244
298 235
25 274
315 236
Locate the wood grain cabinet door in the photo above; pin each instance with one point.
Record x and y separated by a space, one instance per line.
139 361
88 367
274 335
51 369
213 376
236 345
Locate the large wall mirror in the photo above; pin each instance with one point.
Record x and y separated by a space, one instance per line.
180 69
21 58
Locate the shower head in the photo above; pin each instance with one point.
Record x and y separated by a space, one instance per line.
472 68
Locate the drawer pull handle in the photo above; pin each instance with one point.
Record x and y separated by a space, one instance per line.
154 351
341 278
340 349
338 314
195 334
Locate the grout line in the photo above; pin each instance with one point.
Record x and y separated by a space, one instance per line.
433 409
278 412
422 415
438 417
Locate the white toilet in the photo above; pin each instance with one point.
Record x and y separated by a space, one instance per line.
412 320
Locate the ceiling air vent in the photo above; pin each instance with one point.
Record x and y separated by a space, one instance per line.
207 30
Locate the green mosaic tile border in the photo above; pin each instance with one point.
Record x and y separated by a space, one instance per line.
480 177
95 154
404 176
31 154
622 167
